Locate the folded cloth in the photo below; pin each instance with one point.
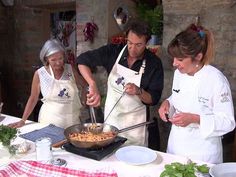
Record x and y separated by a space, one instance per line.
55 133
38 169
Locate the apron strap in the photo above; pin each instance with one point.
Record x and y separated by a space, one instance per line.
51 71
120 54
142 68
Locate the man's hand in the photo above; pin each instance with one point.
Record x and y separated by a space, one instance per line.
93 96
132 89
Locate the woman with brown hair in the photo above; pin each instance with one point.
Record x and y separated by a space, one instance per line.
200 107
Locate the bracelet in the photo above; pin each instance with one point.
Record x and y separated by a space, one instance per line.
140 91
23 120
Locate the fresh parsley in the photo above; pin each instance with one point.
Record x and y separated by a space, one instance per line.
7 134
177 169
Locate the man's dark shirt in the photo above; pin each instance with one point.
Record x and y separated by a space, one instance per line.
152 79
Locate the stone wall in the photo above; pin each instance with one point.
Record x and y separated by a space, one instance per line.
27 29
3 44
6 50
89 10
216 15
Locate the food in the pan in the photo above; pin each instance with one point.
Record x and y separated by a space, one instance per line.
95 127
86 136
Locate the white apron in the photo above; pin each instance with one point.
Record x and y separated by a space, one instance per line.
130 110
61 106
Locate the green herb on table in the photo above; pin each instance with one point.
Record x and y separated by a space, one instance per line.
7 134
177 169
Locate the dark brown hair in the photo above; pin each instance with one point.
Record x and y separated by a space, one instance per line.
192 41
140 28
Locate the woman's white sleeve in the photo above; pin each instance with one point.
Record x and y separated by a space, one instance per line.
221 118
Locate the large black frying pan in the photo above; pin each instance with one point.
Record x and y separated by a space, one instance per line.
78 128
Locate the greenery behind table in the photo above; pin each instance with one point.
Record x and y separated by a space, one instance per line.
153 16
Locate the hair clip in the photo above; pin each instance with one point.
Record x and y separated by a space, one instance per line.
198 29
201 33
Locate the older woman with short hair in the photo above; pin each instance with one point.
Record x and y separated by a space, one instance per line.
56 80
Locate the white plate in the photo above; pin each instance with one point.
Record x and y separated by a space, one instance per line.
136 155
223 170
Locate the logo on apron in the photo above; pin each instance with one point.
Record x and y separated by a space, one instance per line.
120 80
64 93
176 90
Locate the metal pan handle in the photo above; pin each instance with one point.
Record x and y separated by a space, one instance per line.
135 126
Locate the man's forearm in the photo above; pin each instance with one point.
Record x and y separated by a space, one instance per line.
87 74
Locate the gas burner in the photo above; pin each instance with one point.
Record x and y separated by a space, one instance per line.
96 154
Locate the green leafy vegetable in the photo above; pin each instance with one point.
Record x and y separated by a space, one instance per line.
177 169
7 134
203 169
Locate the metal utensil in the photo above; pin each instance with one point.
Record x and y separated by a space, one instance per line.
94 128
167 117
135 126
1 116
1 105
114 106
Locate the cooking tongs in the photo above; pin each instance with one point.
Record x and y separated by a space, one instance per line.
94 128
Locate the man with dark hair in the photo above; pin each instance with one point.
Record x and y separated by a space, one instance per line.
135 81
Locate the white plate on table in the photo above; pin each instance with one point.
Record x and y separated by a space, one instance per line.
136 155
223 170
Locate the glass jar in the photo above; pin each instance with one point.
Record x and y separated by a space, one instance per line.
44 149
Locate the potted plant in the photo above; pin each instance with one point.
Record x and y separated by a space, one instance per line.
154 18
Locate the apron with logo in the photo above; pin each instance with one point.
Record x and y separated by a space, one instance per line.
129 110
61 106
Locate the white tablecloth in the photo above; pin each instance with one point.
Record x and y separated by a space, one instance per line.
74 161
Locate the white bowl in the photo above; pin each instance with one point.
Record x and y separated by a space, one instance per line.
223 170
